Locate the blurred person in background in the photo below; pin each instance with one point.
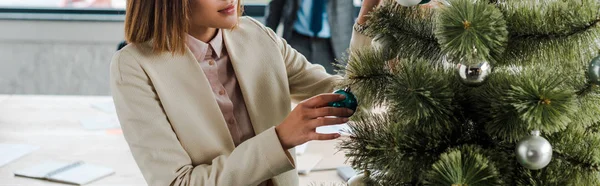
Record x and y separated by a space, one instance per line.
203 95
319 29
86 3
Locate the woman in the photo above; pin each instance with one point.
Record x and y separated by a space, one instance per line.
203 96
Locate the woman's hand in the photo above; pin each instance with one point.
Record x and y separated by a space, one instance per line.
300 125
366 8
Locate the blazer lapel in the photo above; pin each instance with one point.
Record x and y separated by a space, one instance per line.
182 72
249 70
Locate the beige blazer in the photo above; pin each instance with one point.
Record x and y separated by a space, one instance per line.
174 127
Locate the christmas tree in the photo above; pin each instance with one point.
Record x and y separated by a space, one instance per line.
477 92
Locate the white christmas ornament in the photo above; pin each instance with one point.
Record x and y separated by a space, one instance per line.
357 180
534 152
408 2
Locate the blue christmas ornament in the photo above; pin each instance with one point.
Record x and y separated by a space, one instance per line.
350 101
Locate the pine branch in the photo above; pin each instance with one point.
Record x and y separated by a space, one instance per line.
585 154
469 31
372 145
542 104
396 151
550 36
587 114
576 162
571 52
367 74
423 93
391 18
406 46
580 160
548 18
504 159
516 101
464 166
405 31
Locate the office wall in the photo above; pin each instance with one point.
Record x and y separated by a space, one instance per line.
57 57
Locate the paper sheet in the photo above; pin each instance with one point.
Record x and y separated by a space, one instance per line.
300 149
12 152
101 123
108 107
306 162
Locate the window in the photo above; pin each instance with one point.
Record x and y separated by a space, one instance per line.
94 10
114 4
87 10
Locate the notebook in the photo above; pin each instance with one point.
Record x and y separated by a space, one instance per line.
77 173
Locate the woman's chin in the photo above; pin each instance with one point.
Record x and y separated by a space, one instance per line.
232 24
227 23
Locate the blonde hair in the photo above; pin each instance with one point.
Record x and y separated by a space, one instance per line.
165 22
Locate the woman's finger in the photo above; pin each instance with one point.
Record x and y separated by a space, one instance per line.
329 111
317 136
324 121
322 100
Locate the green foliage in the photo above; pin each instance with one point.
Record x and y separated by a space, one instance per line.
381 152
407 31
410 47
576 159
463 166
549 18
437 131
588 108
422 93
541 103
518 100
393 18
468 31
572 51
366 75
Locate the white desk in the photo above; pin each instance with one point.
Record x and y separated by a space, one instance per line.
52 123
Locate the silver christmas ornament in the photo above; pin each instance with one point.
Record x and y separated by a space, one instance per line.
474 75
357 180
534 152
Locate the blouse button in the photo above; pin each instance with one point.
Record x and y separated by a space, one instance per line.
221 92
211 62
